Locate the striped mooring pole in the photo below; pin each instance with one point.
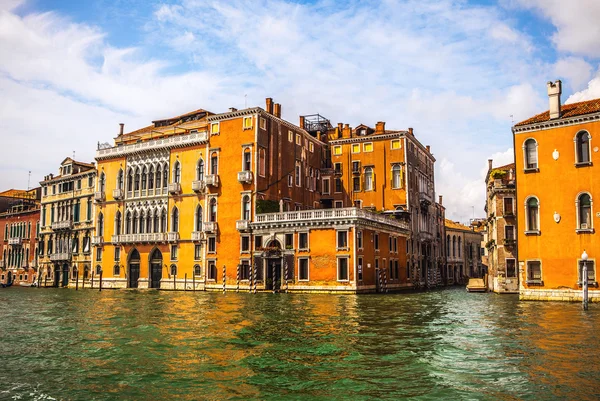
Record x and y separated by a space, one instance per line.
237 283
224 278
286 276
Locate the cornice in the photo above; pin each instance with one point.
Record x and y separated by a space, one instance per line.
560 122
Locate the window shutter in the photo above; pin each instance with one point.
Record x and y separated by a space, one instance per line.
289 261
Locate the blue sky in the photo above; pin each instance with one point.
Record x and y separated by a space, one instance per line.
455 71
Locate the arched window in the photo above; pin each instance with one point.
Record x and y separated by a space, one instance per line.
177 172
247 160
200 170
130 180
136 180
448 245
128 223
459 245
120 179
158 176
144 178
532 213
454 245
369 179
245 207
163 221
102 182
148 222
118 223
156 222
134 226
151 178
582 147
198 219
396 176
214 163
142 222
165 175
213 209
100 224
531 156
584 211
175 220
197 270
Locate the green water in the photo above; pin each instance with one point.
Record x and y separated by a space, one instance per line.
84 345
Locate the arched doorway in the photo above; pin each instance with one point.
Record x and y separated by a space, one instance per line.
9 278
56 275
273 256
65 275
133 269
155 268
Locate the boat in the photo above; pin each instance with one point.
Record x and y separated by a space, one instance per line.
476 285
4 285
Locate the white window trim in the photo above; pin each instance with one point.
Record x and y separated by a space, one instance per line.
207 247
392 144
244 148
352 148
365 147
362 240
244 127
262 123
527 228
337 270
208 262
337 147
337 246
336 203
577 161
307 249
537 153
527 271
400 183
249 244
218 124
506 268
504 205
577 215
307 268
249 195
298 139
328 179
247 260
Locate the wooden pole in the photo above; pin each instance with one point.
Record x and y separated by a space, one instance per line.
100 286
77 281
185 282
92 280
194 282
174 282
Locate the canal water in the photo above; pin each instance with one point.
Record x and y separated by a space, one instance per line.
157 345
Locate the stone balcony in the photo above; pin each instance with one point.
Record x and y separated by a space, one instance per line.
139 238
172 236
97 240
198 186
209 227
212 180
245 177
174 188
99 196
62 225
242 225
60 256
118 194
15 241
197 236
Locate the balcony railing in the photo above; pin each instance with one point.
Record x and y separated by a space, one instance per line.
242 225
97 240
62 225
1 264
198 186
172 236
60 256
509 241
139 238
424 196
328 215
245 177
212 180
174 188
197 235
118 193
209 226
99 196
15 241
161 143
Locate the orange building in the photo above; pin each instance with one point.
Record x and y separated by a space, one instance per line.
239 200
19 231
556 161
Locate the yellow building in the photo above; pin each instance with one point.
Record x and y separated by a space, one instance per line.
463 250
556 160
67 224
234 201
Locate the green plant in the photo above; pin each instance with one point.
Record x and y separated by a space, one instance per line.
495 174
266 206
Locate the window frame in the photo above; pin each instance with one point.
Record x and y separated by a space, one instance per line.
368 144
506 267
578 147
307 259
578 213
393 141
347 259
337 150
212 128
345 246
246 126
526 163
307 247
533 281
528 229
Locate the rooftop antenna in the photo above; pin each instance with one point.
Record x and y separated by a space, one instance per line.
29 181
473 207
246 101
512 120
73 155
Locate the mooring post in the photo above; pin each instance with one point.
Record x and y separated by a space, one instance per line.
251 278
224 278
92 283
100 286
194 282
273 280
286 276
77 281
185 282
174 283
237 283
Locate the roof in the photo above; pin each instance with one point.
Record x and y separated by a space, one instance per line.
506 167
566 110
171 123
456 225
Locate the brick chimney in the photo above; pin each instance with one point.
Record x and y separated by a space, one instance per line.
277 110
440 200
302 122
490 164
410 131
554 92
121 127
380 127
428 148
269 102
347 132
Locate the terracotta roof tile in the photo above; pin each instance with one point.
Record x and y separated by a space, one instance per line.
456 225
566 110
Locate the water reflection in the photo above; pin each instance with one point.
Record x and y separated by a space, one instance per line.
163 345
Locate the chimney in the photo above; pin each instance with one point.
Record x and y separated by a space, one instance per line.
428 148
511 174
347 132
231 109
380 127
302 122
340 125
277 110
269 101
554 92
440 200
121 126
490 164
410 131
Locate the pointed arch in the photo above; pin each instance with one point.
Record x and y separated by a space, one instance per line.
151 178
100 224
198 218
200 169
174 219
129 179
118 223
136 179
158 177
102 182
163 220
144 178
177 172
165 179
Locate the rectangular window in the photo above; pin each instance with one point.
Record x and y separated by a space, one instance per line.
368 147
247 122
338 185
390 244
534 271
356 167
342 240
360 268
290 180
89 210
311 147
290 136
212 244
509 232
298 175
258 242
263 123
359 239
173 252
211 273
396 144
337 150
338 168
245 243
289 241
591 271
303 241
356 184
197 252
117 254
214 128
303 269
79 184
245 270
298 139
326 186
508 207
339 204
98 254
511 268
356 148
247 162
376 241
342 269
54 189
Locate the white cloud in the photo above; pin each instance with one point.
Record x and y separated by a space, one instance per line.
591 92
575 70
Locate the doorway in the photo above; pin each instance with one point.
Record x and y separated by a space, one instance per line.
155 269
133 274
273 281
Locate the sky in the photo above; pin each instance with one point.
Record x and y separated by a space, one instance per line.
459 72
